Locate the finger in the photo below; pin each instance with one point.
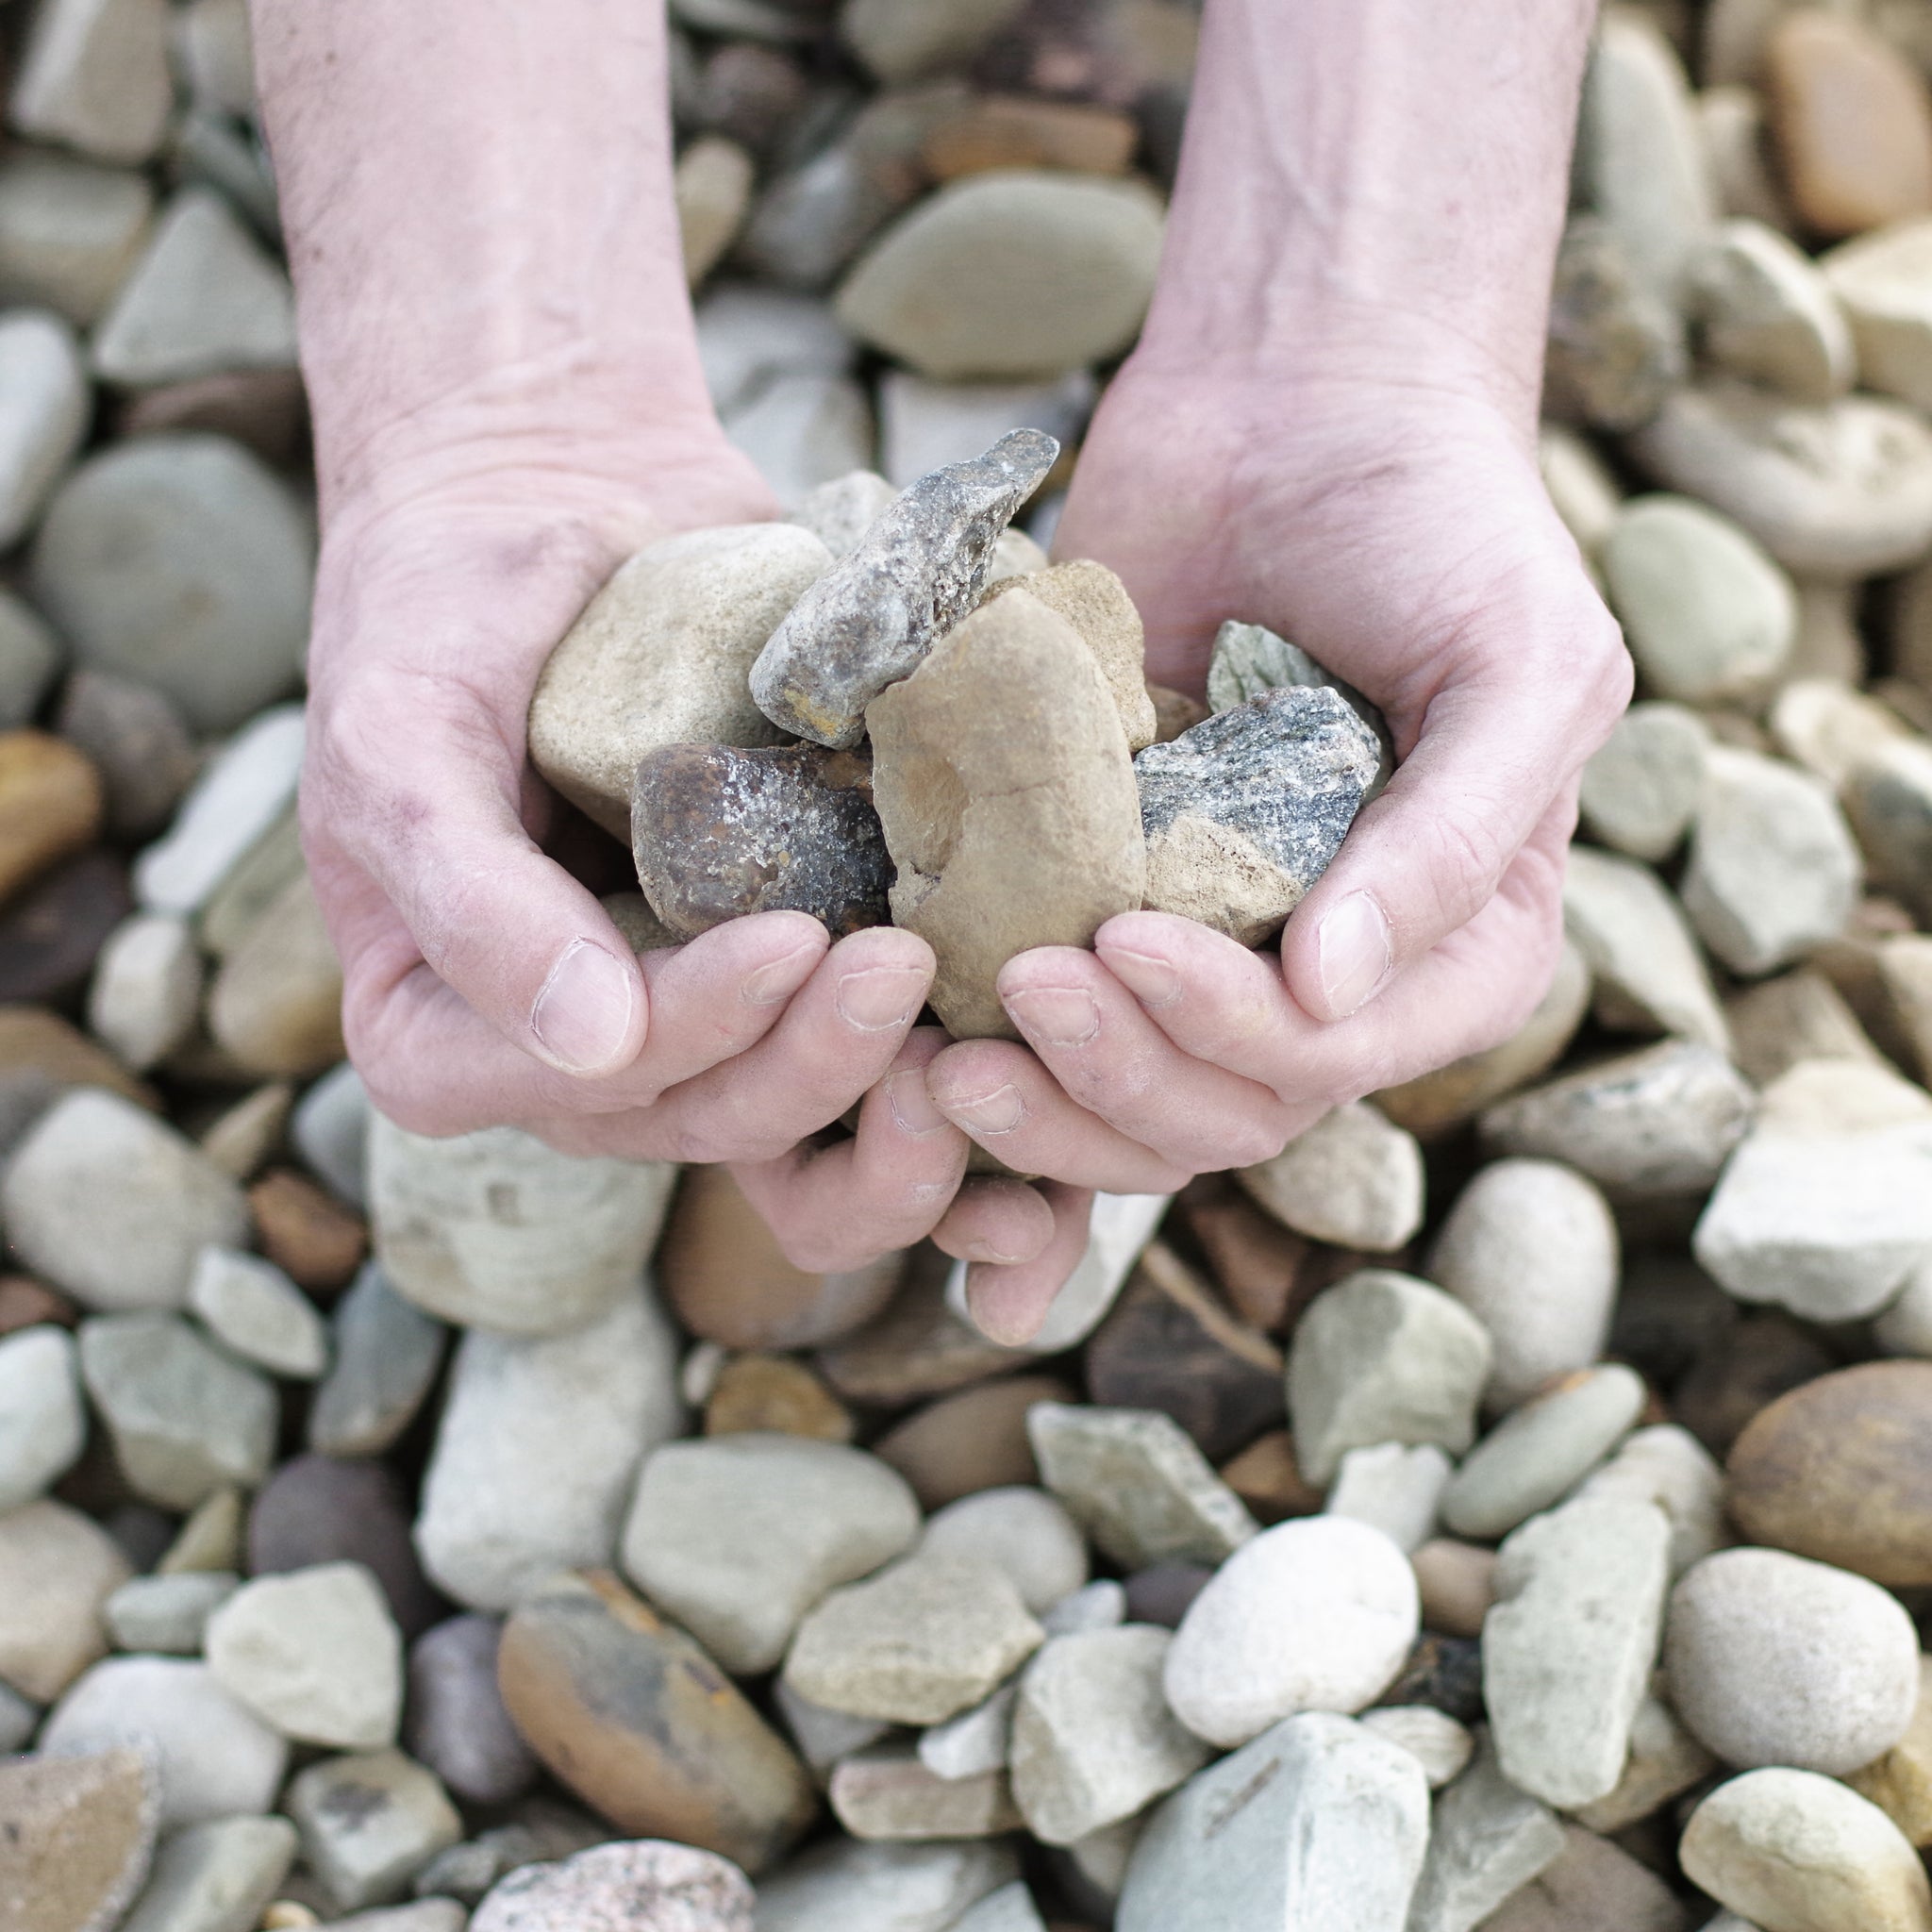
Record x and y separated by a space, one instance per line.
1008 1302
842 1206
996 1220
1013 1106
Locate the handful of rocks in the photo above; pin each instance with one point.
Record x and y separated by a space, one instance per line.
894 710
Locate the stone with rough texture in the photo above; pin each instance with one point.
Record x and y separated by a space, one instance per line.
1094 601
384 1355
661 655
539 1442
1353 1178
369 1824
1794 1852
79 1833
1244 811
883 1888
94 76
717 833
1569 1644
1486 1841
1640 789
1004 742
43 1417
1314 1614
1383 1358
167 1616
252 1307
1770 316
215 1877
113 1206
873 617
737 1537
1062 267
1094 1739
457 1724
1018 1529
1317 1821
497 1231
1530 1249
616 1888
632 1715
58 1568
1249 659
1773 1659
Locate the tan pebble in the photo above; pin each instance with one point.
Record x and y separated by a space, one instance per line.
316 1241
1014 132
276 1003
773 1392
1458 1584
973 1441
1266 1476
51 803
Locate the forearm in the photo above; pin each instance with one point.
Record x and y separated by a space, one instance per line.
478 200
1380 178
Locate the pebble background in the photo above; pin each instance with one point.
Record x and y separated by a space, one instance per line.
1510 1508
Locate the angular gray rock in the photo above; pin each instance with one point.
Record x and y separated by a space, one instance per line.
384 1355
214 1877
1486 1841
369 1824
872 618
1249 659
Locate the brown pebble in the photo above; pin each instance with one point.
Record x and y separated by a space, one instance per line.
1457 1584
310 1235
1266 1476
25 1304
1745 1366
1256 1260
1840 1469
973 1441
52 933
771 1391
1012 131
33 1040
51 805
917 1347
1175 712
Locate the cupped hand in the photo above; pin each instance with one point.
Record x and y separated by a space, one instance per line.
1398 531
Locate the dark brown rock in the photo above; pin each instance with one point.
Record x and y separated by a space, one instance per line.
1446 1673
1256 1263
50 936
264 408
26 1303
1743 1369
973 1441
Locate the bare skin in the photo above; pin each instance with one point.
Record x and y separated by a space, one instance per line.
1328 427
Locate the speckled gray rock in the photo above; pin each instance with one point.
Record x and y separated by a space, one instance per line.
717 833
1243 812
214 1877
613 1888
1486 1841
43 1417
384 1355
1249 659
369 1824
167 1616
1353 1178
918 569
883 1888
1640 789
1317 1821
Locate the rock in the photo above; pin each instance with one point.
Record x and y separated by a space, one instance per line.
1249 659
1581 489
919 1347
970 1441
750 335
50 801
210 1539
756 1393
1797 1016
146 994
541 1830
45 408
1440 1745
252 1308
1383 1358
184 1417
94 76
1094 601
872 618
70 230
1791 1848
1137 1484
924 425
1020 1530
167 1616
1708 615
661 655
632 1715
670 1887
1315 1614
42 1419
50 936
1568 1646
1880 280
1009 1909
804 430
740 1536
1770 316
214 1757
1118 1234
497 1231
58 1568
1487 1841
1352 1179
886 1793
717 833
29 656
1640 790
540 1442
883 1888
1634 939
899 43
1540 1450
1670 1467
330 1131
1392 1488
712 191
1456 1582
369 1824
384 1355
275 1004
823 1737
1316 1822
959 800
917 1643
1616 346
1852 123
79 1833
112 1204
1889 799
1061 270
457 1725
137 743
1835 491
1593 1886
308 1234
839 512
974 1743
1899 1781
211 47
1530 1249
212 1877
1665 1762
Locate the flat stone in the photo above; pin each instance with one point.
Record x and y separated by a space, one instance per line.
661 655
495 1230
215 1758
1315 1614
384 1357
737 1537
1881 281
1792 1848
212 1877
30 655
1383 1358
1667 1465
93 76
1021 1530
883 1888
70 230
1137 1484
717 833
822 1736
1829 726
113 1204
1005 740
1530 1249
539 1446
457 1725
52 932
1615 347
1440 1745
257 1312
670 1887
1392 1487
872 618
167 1616
973 1441
59 1568
80 1832
369 1824
886 1793
43 1417
138 743
1061 270
1665 1760
1769 316
1487 1841
1316 1822
632 1715
1593 1886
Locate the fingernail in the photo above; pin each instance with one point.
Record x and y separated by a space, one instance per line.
911 1105
582 1016
777 980
1353 951
1055 1015
875 998
1152 981
998 1113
